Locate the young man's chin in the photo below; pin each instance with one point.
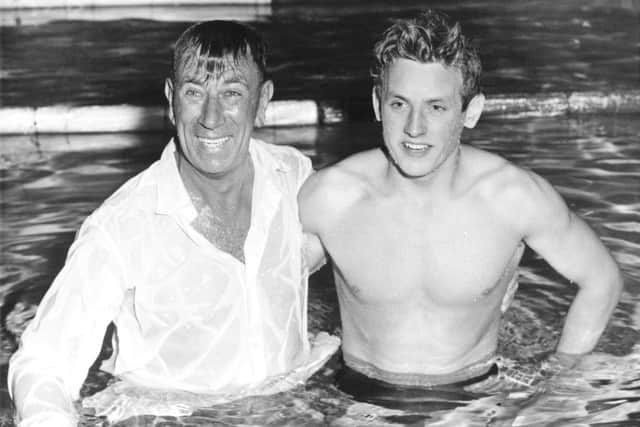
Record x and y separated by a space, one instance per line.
414 168
414 173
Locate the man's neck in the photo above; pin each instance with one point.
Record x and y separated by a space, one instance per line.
438 181
218 190
223 205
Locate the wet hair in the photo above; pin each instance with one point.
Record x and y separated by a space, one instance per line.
430 37
211 47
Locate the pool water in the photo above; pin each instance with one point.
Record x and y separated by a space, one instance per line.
594 161
321 49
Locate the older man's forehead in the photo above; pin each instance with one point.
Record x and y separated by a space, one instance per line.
202 75
201 68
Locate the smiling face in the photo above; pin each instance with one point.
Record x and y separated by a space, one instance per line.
420 106
214 114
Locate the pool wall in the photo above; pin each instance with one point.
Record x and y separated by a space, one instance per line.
64 73
27 4
130 118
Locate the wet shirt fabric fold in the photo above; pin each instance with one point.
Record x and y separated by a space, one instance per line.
188 316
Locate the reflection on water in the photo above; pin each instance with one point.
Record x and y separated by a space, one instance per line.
594 162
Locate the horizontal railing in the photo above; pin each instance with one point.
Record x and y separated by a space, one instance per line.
130 118
31 4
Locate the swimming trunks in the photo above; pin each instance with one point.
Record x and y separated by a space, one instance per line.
414 396
367 369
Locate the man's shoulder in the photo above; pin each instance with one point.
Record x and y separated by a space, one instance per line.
367 164
135 197
344 183
353 174
294 167
512 190
491 174
289 156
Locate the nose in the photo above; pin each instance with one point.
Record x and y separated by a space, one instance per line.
416 124
212 114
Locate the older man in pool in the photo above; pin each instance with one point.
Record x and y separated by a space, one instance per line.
197 260
425 234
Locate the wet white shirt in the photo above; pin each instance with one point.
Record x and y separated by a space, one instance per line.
188 315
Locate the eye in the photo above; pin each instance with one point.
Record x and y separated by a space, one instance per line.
396 104
193 93
439 108
232 93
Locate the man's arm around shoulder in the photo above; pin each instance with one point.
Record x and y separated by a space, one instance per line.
311 204
321 199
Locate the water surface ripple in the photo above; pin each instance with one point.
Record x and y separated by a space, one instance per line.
594 162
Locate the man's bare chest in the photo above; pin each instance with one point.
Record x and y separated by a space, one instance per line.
227 232
448 260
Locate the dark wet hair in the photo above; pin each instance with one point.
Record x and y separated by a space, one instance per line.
209 46
431 37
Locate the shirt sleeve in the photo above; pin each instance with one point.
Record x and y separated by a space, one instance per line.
304 169
65 337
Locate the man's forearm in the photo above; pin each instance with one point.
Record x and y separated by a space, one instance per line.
589 314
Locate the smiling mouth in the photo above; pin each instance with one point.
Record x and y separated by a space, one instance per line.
214 143
416 147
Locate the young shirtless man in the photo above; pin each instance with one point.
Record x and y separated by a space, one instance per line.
425 234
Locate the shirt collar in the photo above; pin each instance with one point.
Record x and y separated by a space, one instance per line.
264 158
173 196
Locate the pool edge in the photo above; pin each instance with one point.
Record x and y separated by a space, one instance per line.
67 119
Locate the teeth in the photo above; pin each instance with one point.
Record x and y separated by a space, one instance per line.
420 147
214 142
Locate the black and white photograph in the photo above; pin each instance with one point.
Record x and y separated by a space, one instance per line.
319 213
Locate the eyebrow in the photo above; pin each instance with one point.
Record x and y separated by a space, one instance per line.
195 80
428 100
202 79
235 79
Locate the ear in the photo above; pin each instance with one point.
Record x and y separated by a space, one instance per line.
375 101
474 110
168 93
266 93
